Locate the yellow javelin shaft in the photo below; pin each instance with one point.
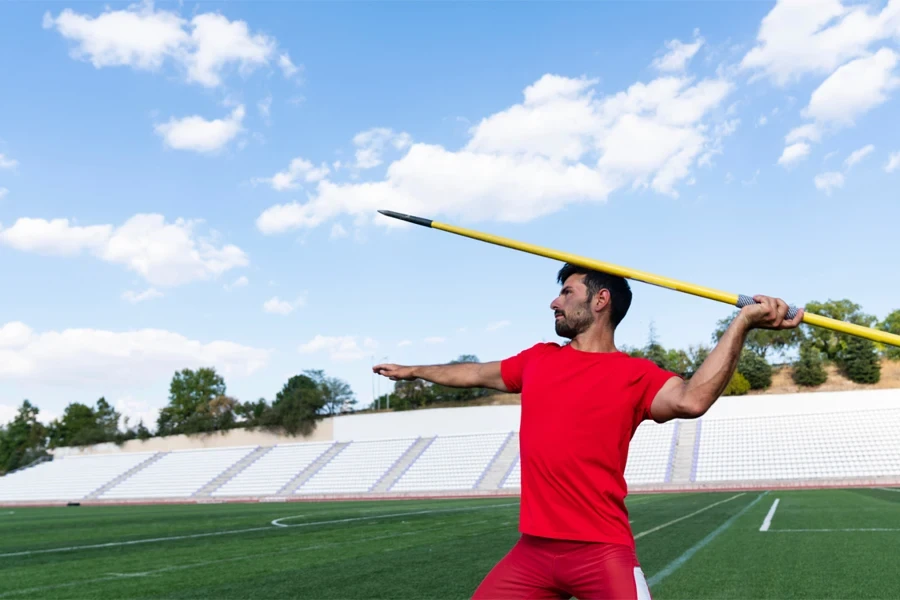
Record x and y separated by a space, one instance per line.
728 298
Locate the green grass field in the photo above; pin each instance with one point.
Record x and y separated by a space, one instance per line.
820 544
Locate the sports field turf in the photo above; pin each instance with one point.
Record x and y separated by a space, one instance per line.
820 544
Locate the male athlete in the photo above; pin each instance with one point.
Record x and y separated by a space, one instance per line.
581 404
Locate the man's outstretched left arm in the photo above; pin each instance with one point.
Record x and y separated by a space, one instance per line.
692 398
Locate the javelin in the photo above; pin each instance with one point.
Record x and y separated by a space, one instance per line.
738 300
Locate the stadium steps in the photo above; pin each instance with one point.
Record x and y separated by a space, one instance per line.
685 447
291 486
496 471
236 468
399 468
113 483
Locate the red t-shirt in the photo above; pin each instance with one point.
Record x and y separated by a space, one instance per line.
579 413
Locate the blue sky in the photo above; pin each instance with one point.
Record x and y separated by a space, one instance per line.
196 184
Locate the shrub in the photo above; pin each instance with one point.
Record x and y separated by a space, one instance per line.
860 362
808 369
755 369
738 386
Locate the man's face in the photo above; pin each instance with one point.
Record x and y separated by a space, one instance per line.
571 309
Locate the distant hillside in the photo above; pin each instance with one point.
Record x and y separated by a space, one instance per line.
781 384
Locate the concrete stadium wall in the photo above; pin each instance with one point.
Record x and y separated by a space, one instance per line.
232 437
429 422
482 419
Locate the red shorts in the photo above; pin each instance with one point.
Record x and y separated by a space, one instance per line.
544 568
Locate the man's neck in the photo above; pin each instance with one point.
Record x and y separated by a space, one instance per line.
595 339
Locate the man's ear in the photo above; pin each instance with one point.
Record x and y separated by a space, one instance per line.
601 299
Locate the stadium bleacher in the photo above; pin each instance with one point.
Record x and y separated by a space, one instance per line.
789 447
816 446
178 474
69 478
273 470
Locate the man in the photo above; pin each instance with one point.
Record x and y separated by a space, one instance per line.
581 404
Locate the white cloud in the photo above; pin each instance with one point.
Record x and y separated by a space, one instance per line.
338 231
144 38
218 42
265 106
799 37
794 153
287 66
199 135
678 55
7 163
371 144
3 192
893 162
239 282
562 145
98 357
278 306
339 347
849 92
762 120
56 237
809 132
164 254
135 297
858 155
7 413
299 169
854 88
434 340
497 325
827 182
403 343
136 411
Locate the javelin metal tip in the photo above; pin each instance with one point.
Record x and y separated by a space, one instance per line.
407 218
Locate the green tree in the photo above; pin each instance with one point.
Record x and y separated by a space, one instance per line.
809 370
338 394
755 369
190 395
860 362
23 440
833 344
297 407
891 324
250 413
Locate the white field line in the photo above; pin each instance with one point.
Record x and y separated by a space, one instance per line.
675 564
243 557
236 531
834 530
9 512
888 489
696 512
277 522
767 522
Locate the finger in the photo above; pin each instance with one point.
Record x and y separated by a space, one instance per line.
790 323
781 309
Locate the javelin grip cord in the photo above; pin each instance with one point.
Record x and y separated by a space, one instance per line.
747 301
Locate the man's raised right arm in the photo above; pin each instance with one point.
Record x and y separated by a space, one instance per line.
458 375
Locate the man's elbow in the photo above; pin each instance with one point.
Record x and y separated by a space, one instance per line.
691 406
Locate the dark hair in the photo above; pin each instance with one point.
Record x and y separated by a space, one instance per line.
619 290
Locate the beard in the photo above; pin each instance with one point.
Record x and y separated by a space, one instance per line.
572 324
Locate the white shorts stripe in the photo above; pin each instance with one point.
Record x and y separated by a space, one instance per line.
643 592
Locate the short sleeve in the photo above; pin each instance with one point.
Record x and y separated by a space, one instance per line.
512 369
652 378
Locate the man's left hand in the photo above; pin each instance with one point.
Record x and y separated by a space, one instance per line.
769 313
